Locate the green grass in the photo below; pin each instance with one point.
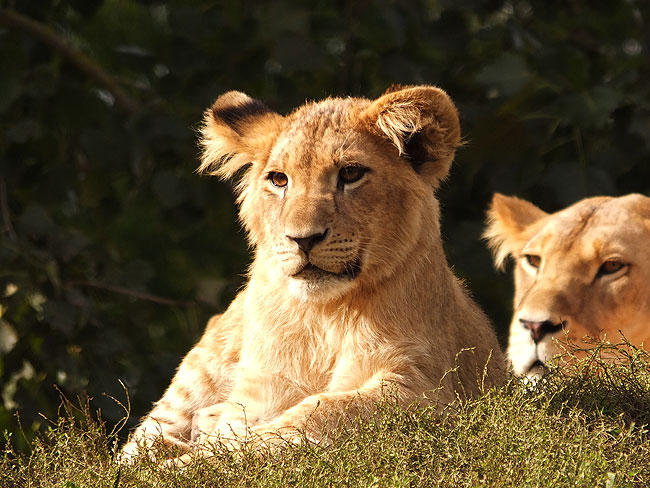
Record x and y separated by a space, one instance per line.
586 425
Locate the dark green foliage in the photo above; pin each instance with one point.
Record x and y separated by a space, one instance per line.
113 252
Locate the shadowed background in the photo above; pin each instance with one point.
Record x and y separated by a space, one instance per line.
114 253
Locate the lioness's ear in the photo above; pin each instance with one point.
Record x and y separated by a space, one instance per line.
236 130
422 123
508 219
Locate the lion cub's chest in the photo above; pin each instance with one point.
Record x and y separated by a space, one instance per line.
305 352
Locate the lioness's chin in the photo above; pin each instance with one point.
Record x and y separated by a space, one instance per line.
530 361
532 368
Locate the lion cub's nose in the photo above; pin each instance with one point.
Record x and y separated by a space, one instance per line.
539 329
307 243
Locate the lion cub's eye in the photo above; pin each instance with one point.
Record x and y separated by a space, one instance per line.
351 174
533 260
610 267
278 179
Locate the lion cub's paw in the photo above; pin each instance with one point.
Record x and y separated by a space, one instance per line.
226 420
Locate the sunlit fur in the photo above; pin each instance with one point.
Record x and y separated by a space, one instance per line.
377 307
567 287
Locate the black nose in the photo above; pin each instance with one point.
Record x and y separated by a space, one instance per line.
307 243
539 329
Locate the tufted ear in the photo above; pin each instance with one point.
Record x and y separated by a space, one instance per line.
422 123
509 220
236 130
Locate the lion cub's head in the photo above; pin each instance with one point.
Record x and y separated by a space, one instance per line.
339 192
583 271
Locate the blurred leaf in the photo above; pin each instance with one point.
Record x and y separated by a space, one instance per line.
105 147
9 389
507 74
68 243
60 315
36 221
24 131
210 290
590 109
570 182
86 7
168 188
640 126
138 273
8 337
10 89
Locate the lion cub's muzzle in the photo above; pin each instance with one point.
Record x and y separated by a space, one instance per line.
316 255
307 243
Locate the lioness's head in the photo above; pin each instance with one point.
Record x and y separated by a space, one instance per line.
339 192
582 271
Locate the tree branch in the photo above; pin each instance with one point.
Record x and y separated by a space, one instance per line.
83 63
128 292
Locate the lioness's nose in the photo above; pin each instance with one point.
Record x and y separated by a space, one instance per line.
539 329
307 243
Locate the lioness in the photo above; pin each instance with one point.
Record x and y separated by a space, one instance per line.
582 271
349 289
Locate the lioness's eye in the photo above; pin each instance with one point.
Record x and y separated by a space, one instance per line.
610 267
278 179
351 174
533 260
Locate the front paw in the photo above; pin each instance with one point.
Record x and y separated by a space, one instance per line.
128 453
274 438
224 421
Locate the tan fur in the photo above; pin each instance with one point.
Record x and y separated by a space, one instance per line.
569 286
377 305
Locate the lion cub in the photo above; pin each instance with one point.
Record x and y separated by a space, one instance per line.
349 290
582 271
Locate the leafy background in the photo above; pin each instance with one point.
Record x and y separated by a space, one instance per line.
114 253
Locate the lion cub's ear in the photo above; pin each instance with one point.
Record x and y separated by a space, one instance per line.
236 130
509 220
422 122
